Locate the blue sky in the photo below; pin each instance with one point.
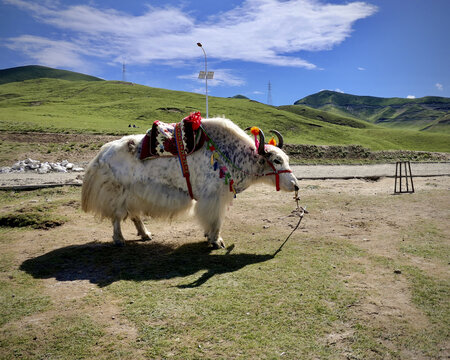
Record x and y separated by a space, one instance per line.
381 48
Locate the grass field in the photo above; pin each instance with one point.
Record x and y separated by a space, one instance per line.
371 284
105 107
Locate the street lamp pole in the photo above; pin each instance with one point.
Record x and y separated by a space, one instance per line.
206 78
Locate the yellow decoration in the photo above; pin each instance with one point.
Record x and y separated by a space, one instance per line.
272 142
254 130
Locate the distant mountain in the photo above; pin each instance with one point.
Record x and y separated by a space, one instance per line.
31 72
431 113
239 97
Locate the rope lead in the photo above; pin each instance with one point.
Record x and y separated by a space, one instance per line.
300 211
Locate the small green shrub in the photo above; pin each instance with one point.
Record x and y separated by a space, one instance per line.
34 219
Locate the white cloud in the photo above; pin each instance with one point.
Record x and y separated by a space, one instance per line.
410 97
360 68
439 86
339 91
263 31
49 52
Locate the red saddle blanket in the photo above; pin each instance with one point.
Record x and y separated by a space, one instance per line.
159 141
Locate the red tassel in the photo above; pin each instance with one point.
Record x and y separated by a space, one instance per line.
195 119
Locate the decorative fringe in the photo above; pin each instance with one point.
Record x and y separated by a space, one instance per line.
223 170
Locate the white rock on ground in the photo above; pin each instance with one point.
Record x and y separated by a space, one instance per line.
30 165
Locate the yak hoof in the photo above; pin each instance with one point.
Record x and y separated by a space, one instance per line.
119 242
146 237
218 244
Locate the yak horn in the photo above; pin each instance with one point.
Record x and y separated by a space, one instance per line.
280 138
262 142
262 139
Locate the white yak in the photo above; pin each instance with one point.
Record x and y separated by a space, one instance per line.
118 185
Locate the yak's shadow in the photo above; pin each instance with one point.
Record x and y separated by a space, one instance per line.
103 264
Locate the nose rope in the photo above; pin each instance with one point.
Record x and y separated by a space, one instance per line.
300 212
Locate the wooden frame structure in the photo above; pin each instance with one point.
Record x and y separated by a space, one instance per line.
403 178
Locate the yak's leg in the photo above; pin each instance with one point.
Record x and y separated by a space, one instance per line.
141 229
210 213
117 235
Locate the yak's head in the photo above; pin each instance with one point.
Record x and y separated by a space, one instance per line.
273 161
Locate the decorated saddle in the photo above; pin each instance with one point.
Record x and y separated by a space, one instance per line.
161 139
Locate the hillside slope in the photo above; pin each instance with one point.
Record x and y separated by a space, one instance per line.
110 107
326 116
31 72
428 113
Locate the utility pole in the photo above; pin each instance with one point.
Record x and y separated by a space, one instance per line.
124 77
269 94
205 75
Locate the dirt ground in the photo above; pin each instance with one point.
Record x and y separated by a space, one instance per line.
366 213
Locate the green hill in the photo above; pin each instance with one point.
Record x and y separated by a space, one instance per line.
326 116
109 107
239 97
30 72
427 113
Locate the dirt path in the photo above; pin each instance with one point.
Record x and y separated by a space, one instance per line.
367 171
313 172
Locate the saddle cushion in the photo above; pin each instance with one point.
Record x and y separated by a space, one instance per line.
159 141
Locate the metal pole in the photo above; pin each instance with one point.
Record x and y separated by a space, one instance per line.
410 174
400 176
406 177
206 78
396 177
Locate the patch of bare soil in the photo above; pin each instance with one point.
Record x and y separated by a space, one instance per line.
52 147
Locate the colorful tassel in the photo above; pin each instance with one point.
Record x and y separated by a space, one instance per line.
223 171
232 189
255 130
211 146
272 142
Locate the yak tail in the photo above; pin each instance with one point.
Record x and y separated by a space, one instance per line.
100 193
90 185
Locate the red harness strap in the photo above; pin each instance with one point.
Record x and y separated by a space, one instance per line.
182 157
277 174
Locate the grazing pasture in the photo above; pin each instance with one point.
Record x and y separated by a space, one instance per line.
109 107
364 277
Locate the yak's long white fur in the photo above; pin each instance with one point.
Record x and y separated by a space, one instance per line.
118 185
